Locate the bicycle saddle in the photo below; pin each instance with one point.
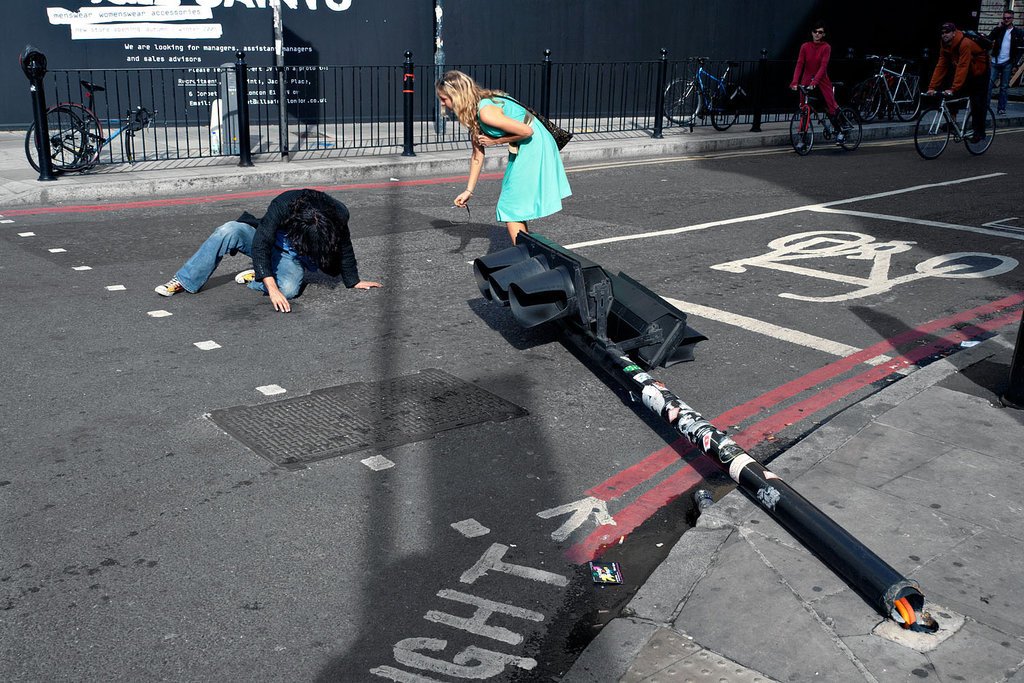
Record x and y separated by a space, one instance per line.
92 87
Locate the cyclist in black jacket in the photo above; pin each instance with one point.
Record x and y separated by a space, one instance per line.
1007 46
303 230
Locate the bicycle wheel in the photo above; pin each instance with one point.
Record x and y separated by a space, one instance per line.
850 126
907 99
92 138
66 139
867 100
801 132
680 102
982 145
931 134
723 111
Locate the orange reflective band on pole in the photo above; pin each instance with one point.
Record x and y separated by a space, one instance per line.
408 77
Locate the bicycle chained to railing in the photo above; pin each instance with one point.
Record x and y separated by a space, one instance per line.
702 95
891 90
951 118
844 126
76 133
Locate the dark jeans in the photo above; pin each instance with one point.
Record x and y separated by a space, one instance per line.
976 89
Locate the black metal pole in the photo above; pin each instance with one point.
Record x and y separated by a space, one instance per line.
659 96
762 77
1013 397
545 85
863 570
42 129
408 91
242 97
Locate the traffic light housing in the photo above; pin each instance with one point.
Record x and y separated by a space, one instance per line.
541 282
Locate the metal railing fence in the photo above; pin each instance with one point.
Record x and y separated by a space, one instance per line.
345 110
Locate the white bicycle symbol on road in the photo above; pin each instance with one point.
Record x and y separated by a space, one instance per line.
857 246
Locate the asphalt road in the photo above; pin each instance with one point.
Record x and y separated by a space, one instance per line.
142 542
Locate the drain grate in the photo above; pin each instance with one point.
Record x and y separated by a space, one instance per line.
354 417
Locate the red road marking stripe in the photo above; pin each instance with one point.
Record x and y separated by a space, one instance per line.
636 513
689 475
640 472
756 432
210 199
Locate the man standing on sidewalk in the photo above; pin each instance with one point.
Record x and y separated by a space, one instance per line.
969 64
1007 45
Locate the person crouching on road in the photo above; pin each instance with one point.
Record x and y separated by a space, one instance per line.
970 76
303 230
535 183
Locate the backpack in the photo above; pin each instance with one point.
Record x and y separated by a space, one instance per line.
981 41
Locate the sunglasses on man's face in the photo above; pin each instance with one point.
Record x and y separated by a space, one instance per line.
817 30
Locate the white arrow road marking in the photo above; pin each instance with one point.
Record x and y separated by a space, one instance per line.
581 511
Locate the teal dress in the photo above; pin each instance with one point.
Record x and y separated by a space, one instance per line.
534 184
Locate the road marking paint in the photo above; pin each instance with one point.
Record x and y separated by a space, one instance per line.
377 463
768 329
639 511
1001 224
81 268
825 244
209 345
7 220
581 510
115 288
1006 231
26 234
477 624
775 214
57 250
674 160
159 314
271 389
470 528
492 560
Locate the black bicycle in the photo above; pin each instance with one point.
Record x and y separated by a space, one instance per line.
76 134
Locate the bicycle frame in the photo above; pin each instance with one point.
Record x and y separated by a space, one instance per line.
702 77
958 121
900 78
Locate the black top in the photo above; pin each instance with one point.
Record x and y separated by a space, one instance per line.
269 236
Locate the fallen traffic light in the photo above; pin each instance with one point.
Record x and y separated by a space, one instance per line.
541 282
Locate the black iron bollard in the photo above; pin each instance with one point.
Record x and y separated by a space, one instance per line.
762 77
545 85
242 97
408 92
33 63
1013 397
659 96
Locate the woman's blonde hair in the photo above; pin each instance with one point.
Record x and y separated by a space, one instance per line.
466 95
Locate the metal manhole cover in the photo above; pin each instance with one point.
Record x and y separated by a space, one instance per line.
361 415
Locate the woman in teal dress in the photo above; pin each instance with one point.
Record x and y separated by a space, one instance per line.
534 184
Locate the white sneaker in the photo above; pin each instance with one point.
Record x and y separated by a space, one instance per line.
245 277
169 288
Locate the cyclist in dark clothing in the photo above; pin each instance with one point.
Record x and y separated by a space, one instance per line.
303 230
969 63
